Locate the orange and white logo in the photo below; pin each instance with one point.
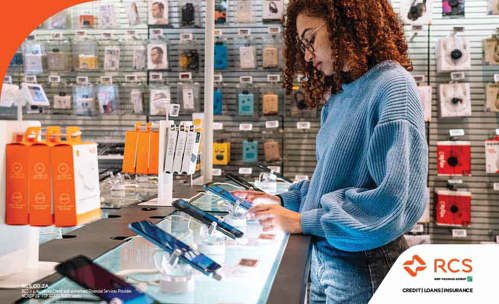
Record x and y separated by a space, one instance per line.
414 265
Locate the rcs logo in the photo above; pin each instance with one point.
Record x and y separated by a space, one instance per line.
417 264
414 265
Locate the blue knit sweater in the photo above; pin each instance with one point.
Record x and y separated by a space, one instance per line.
369 186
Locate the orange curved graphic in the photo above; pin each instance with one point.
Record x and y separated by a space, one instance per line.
414 265
19 18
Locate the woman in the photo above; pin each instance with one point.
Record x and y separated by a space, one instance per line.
369 186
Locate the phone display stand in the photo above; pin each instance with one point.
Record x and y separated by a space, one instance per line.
19 245
236 217
165 180
212 243
175 277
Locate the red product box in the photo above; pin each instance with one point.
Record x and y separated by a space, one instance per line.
453 208
454 158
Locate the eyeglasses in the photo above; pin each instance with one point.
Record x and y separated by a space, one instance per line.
304 45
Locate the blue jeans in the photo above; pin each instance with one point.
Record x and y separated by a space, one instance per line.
350 277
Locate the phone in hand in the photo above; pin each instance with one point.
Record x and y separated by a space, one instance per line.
101 282
207 218
171 244
229 197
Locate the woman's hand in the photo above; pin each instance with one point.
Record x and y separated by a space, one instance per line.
271 216
261 197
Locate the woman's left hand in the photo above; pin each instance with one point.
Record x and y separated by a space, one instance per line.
271 216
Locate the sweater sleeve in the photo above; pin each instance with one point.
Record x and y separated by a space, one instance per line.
355 219
293 197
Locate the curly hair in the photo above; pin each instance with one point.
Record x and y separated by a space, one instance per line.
362 34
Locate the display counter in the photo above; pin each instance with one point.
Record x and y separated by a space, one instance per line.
279 276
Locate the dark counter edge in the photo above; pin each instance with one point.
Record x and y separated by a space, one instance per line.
95 239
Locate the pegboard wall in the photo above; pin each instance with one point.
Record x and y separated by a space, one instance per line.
296 129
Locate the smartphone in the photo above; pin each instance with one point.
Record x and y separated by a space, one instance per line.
226 195
207 218
242 182
169 243
101 282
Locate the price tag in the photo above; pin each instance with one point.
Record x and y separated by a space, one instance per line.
456 132
186 37
459 233
82 80
31 36
155 76
106 35
496 77
455 181
303 125
419 78
218 78
7 79
81 34
217 33
273 77
216 172
275 169
54 78
130 32
274 29
157 33
246 171
417 27
418 228
106 79
495 186
218 126
272 124
30 78
497 238
456 76
299 178
244 32
246 79
185 76
57 36
245 127
131 78
497 132
458 29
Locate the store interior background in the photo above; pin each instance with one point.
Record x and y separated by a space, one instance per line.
297 128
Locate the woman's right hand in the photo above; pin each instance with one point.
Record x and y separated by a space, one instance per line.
259 197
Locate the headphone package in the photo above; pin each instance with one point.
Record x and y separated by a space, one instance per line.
246 96
271 99
220 55
247 55
189 13
85 103
491 50
139 57
453 158
159 100
492 155
188 59
425 92
272 10
416 12
34 57
136 98
271 150
85 55
108 15
243 11
217 101
221 153
107 95
493 7
452 8
250 151
492 94
453 54
188 95
112 58
455 100
59 56
453 208
270 53
61 97
59 21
